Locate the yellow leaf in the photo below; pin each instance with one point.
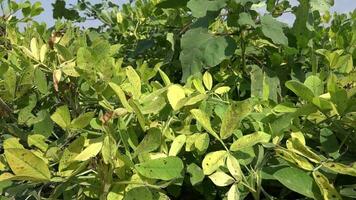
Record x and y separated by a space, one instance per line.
91 151
212 161
175 94
26 164
208 80
34 49
326 188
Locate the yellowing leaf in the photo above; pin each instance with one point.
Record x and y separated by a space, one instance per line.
164 77
208 80
175 94
82 121
26 164
221 179
43 52
222 90
295 145
213 160
38 141
69 69
250 140
326 188
233 193
120 93
62 117
197 82
340 168
202 142
204 121
294 158
57 75
233 116
34 49
109 150
234 167
177 145
12 143
135 81
91 151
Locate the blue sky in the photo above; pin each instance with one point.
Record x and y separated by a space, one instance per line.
341 6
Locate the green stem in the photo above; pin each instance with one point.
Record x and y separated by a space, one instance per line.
243 51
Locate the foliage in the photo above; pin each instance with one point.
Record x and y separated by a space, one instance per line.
175 99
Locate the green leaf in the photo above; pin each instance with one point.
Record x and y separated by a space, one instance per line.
233 116
74 149
213 160
300 28
162 168
27 165
200 8
204 121
221 179
89 152
150 142
177 145
343 64
10 82
300 90
138 193
273 29
172 3
196 174
245 19
41 81
250 140
45 126
62 117
340 99
315 85
329 142
296 180
322 103
82 121
202 49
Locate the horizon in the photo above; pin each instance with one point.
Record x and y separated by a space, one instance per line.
340 6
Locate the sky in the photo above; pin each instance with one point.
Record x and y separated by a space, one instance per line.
340 6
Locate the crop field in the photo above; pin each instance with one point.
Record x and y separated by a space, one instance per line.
177 100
